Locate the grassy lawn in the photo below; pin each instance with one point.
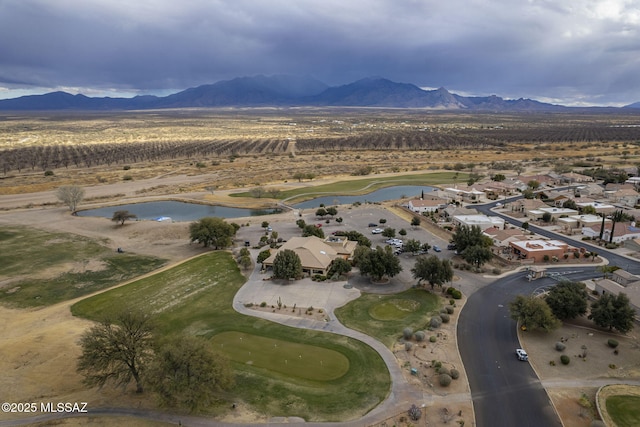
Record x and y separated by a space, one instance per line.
365 185
281 371
45 268
385 316
624 410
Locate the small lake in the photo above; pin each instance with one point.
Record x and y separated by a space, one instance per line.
381 195
176 211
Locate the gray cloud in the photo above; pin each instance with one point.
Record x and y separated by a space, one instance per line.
583 51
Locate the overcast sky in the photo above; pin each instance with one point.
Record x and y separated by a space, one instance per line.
574 52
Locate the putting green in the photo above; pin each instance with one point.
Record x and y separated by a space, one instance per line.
393 309
287 358
624 410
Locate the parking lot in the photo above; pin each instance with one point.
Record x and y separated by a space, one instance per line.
354 218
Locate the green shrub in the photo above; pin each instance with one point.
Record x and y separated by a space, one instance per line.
612 343
442 370
445 380
432 338
450 309
445 317
127 178
263 304
48 173
560 346
436 364
455 374
407 333
420 336
435 322
408 346
565 359
126 167
496 271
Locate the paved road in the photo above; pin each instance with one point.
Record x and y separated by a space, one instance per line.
505 391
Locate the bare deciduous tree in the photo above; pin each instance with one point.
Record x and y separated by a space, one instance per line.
70 195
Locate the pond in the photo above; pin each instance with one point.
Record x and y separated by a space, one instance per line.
381 195
177 211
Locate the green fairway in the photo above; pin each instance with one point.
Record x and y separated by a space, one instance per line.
285 357
365 185
385 316
44 268
624 410
196 297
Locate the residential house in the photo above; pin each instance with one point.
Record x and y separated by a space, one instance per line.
554 212
540 250
453 210
496 189
625 196
590 190
465 194
527 205
623 231
426 205
600 208
482 221
621 283
543 179
572 178
501 238
316 255
573 224
554 198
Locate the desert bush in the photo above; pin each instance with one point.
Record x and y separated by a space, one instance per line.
407 333
496 271
445 380
560 346
565 359
127 178
263 304
442 370
455 374
612 343
48 173
420 336
432 338
449 309
126 167
435 322
408 346
445 317
415 413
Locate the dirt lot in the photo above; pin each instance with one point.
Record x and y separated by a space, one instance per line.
566 384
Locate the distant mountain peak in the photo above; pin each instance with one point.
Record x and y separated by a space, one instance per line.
284 90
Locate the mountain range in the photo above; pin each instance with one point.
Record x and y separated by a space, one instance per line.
286 91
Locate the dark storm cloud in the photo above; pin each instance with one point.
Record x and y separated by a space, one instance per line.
584 51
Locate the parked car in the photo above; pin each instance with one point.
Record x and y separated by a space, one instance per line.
376 231
522 355
437 248
373 224
451 246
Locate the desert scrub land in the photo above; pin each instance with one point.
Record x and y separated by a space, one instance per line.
280 371
244 148
40 268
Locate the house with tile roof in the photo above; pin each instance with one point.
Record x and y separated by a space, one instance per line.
316 254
